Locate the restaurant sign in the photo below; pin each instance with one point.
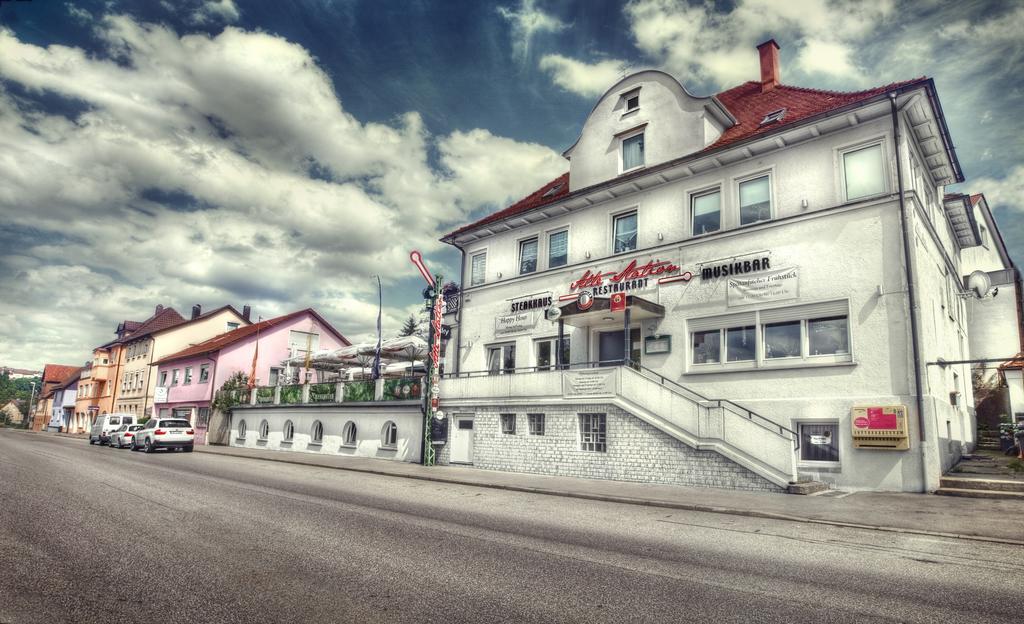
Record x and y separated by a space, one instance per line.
515 323
634 276
777 285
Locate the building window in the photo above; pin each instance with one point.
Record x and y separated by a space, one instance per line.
819 442
624 227
163 378
706 209
203 417
501 359
755 200
264 430
707 347
188 375
782 340
233 326
317 434
174 377
864 172
241 429
389 435
527 256
772 117
289 431
592 432
983 234
632 101
478 272
275 376
740 344
204 373
348 434
633 152
301 342
545 351
558 249
508 423
828 336
536 424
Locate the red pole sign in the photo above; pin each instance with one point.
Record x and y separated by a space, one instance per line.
618 302
417 259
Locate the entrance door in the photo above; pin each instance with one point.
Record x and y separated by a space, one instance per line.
610 347
462 439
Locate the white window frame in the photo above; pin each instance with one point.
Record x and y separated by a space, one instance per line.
264 432
241 429
318 427
625 97
163 378
622 149
389 435
554 356
187 377
800 313
501 364
471 255
536 424
507 417
750 177
583 442
547 246
811 463
174 376
350 426
841 152
288 432
519 254
612 218
204 373
701 192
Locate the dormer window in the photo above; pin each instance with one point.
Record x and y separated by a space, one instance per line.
630 101
554 189
773 116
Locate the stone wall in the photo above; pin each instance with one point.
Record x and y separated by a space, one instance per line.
636 451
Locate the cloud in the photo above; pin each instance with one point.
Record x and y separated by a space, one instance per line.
214 169
526 22
223 11
589 80
1006 192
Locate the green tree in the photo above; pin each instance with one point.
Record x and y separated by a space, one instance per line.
410 328
231 393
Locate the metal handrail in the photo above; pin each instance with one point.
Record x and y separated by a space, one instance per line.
531 369
723 403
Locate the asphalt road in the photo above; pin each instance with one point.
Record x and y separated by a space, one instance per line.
90 534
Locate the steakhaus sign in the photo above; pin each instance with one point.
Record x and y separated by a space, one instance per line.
635 276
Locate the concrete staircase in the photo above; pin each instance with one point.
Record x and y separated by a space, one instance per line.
974 487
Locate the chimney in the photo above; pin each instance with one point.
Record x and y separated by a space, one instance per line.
769 52
247 313
196 311
159 309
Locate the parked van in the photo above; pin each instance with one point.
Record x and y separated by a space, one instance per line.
105 424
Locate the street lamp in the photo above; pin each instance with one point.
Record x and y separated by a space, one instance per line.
31 401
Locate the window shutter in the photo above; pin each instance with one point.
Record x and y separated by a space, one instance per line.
809 311
725 321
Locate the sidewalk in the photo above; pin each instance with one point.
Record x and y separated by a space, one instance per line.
924 514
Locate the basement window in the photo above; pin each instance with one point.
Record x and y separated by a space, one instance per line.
773 116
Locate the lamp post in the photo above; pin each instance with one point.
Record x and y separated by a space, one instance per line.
29 409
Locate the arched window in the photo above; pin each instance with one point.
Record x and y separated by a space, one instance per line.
389 435
318 433
241 429
348 434
289 431
264 430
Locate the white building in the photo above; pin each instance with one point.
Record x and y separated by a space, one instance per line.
790 269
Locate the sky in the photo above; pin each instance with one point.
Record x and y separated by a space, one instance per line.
282 154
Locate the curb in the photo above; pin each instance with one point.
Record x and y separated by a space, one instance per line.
626 500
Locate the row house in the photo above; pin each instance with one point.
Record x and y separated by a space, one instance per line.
54 375
62 411
187 380
741 290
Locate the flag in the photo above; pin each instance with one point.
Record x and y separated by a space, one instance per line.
376 353
618 303
252 371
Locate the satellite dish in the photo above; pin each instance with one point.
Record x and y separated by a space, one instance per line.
979 283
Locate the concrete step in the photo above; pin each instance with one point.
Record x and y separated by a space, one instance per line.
995 485
946 491
807 487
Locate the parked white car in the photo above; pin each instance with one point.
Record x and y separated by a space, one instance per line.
105 424
123 436
168 433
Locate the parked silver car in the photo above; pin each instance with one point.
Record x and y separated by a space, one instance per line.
123 436
168 433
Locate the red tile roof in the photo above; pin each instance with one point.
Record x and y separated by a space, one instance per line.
748 105
54 375
168 317
1015 363
219 342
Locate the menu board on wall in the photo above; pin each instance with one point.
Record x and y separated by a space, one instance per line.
776 285
515 323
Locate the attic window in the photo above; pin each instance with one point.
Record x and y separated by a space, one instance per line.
773 116
631 99
551 191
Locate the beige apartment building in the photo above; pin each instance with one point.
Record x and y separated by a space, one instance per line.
165 333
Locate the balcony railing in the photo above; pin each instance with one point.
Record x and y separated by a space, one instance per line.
403 389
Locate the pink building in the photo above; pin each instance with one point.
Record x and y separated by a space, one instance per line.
188 379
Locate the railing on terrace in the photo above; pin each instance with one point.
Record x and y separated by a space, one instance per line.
673 386
397 389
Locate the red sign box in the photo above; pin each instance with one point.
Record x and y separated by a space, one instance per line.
877 419
618 302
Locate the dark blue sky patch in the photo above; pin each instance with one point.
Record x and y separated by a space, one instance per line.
178 200
44 100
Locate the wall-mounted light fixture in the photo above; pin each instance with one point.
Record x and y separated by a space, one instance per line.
804 204
587 255
499 274
661 236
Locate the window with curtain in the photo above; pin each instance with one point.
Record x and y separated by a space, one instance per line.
558 249
632 152
740 344
707 212
625 232
478 273
707 347
528 256
755 200
864 172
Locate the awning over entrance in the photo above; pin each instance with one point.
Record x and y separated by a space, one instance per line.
600 311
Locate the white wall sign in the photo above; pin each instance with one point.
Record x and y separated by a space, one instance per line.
588 383
515 323
777 285
160 394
